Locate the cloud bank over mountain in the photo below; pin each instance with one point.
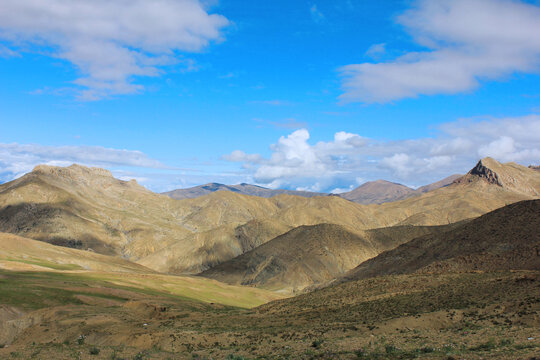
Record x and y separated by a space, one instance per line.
338 165
352 159
18 159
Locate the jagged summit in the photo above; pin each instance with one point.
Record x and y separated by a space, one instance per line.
485 169
509 175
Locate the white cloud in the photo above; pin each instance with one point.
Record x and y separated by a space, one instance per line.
111 41
468 41
18 159
240 156
350 158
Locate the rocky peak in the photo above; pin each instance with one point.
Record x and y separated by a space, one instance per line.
511 176
484 170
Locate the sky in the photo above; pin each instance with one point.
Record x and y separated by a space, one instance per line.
310 95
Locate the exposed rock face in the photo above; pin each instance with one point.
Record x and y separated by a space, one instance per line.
485 172
510 176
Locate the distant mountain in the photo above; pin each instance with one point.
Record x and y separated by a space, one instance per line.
244 189
504 239
372 192
377 192
382 191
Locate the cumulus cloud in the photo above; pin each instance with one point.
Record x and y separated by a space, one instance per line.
18 159
468 41
350 158
111 41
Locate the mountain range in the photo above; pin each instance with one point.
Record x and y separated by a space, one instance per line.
244 189
381 191
371 192
87 208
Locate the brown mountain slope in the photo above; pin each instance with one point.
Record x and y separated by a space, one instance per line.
244 189
85 207
310 255
504 239
438 184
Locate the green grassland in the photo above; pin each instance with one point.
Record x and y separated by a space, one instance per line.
35 290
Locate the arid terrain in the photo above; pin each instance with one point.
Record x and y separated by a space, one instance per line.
93 267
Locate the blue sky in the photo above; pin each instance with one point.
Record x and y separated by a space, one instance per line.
318 95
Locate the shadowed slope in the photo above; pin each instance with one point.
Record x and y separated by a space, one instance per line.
504 239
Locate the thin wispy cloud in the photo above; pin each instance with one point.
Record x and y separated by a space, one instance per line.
273 102
296 163
375 51
6 52
290 123
468 41
316 14
111 42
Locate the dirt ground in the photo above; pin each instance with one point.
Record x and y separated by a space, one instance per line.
460 316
